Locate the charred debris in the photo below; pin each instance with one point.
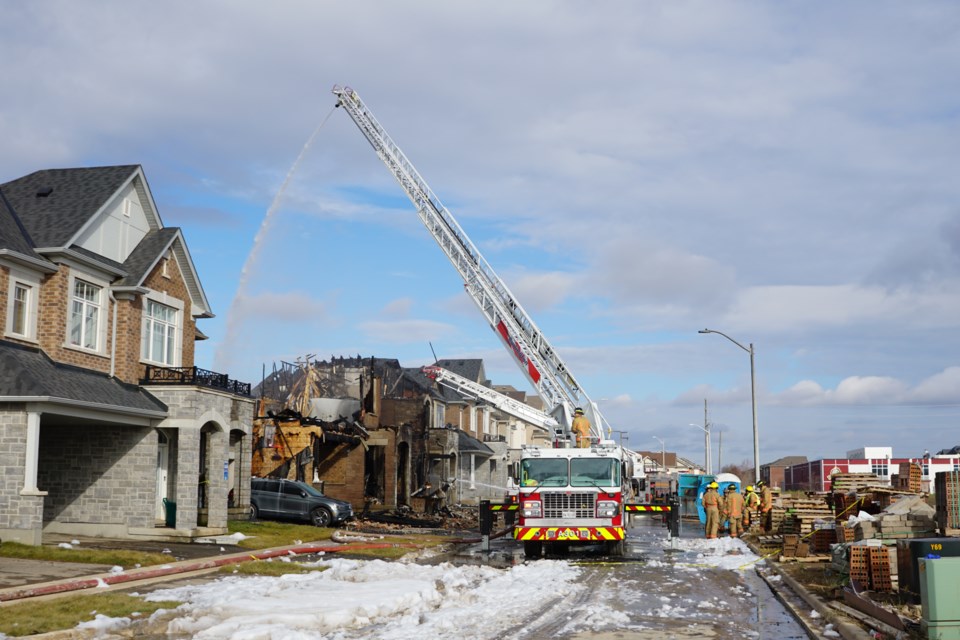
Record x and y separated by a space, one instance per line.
359 430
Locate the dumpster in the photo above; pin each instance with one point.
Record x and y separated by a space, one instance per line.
170 508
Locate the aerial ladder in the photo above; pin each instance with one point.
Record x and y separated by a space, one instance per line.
537 358
501 401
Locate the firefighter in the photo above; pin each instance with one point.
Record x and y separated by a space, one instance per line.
712 503
581 428
733 510
766 505
751 501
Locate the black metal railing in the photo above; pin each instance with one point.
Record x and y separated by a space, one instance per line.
194 376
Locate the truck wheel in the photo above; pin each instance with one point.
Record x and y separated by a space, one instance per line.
533 550
616 548
320 517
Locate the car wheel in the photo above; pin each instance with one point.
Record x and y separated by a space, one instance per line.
320 517
254 512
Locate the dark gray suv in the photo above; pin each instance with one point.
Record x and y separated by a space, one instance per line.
274 499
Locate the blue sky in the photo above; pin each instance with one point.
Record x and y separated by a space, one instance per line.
782 172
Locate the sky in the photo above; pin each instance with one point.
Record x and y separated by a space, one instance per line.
349 598
780 172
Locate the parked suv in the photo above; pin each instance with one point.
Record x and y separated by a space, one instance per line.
291 500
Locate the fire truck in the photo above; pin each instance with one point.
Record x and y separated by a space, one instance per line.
565 495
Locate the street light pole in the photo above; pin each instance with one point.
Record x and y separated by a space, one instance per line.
708 467
663 454
753 399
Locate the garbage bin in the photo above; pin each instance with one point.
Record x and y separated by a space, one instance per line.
170 508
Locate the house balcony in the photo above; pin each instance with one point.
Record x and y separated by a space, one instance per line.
194 377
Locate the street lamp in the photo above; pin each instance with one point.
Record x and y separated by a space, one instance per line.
706 446
663 454
753 398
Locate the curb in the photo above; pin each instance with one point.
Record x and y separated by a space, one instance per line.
846 629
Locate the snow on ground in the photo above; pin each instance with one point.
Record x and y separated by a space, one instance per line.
724 553
406 600
399 600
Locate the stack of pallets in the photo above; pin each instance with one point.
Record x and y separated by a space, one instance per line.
847 482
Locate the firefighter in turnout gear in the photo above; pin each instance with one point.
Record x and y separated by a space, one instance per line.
751 502
766 506
581 428
733 510
712 504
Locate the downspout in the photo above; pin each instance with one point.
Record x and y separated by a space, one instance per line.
113 337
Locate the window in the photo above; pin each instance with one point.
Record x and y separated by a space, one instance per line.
85 315
880 469
159 333
21 306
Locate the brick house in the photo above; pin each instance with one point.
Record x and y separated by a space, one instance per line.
772 473
103 416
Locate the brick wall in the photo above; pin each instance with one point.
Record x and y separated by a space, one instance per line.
52 324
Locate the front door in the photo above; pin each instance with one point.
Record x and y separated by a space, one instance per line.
163 463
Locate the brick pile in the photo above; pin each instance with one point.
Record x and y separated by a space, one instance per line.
873 567
947 490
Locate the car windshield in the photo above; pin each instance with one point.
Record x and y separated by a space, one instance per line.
594 472
550 472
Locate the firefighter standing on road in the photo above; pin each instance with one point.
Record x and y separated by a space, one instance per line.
712 503
581 428
766 505
751 501
733 510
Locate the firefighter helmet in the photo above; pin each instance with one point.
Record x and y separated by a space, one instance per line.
761 484
712 485
578 411
749 487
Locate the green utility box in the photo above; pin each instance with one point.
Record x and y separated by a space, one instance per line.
909 552
939 586
170 510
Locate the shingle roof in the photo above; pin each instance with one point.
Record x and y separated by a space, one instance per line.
27 372
471 369
74 196
468 444
13 236
145 254
787 461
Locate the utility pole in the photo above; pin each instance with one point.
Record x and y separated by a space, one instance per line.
720 454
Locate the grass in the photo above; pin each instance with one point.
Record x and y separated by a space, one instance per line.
267 568
28 618
112 557
265 534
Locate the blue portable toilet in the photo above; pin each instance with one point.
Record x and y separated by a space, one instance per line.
723 480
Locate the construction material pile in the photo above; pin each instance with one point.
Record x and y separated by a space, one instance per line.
908 517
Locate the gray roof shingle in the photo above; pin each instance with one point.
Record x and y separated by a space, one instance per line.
74 195
27 372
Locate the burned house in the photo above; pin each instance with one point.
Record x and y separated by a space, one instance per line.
379 435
